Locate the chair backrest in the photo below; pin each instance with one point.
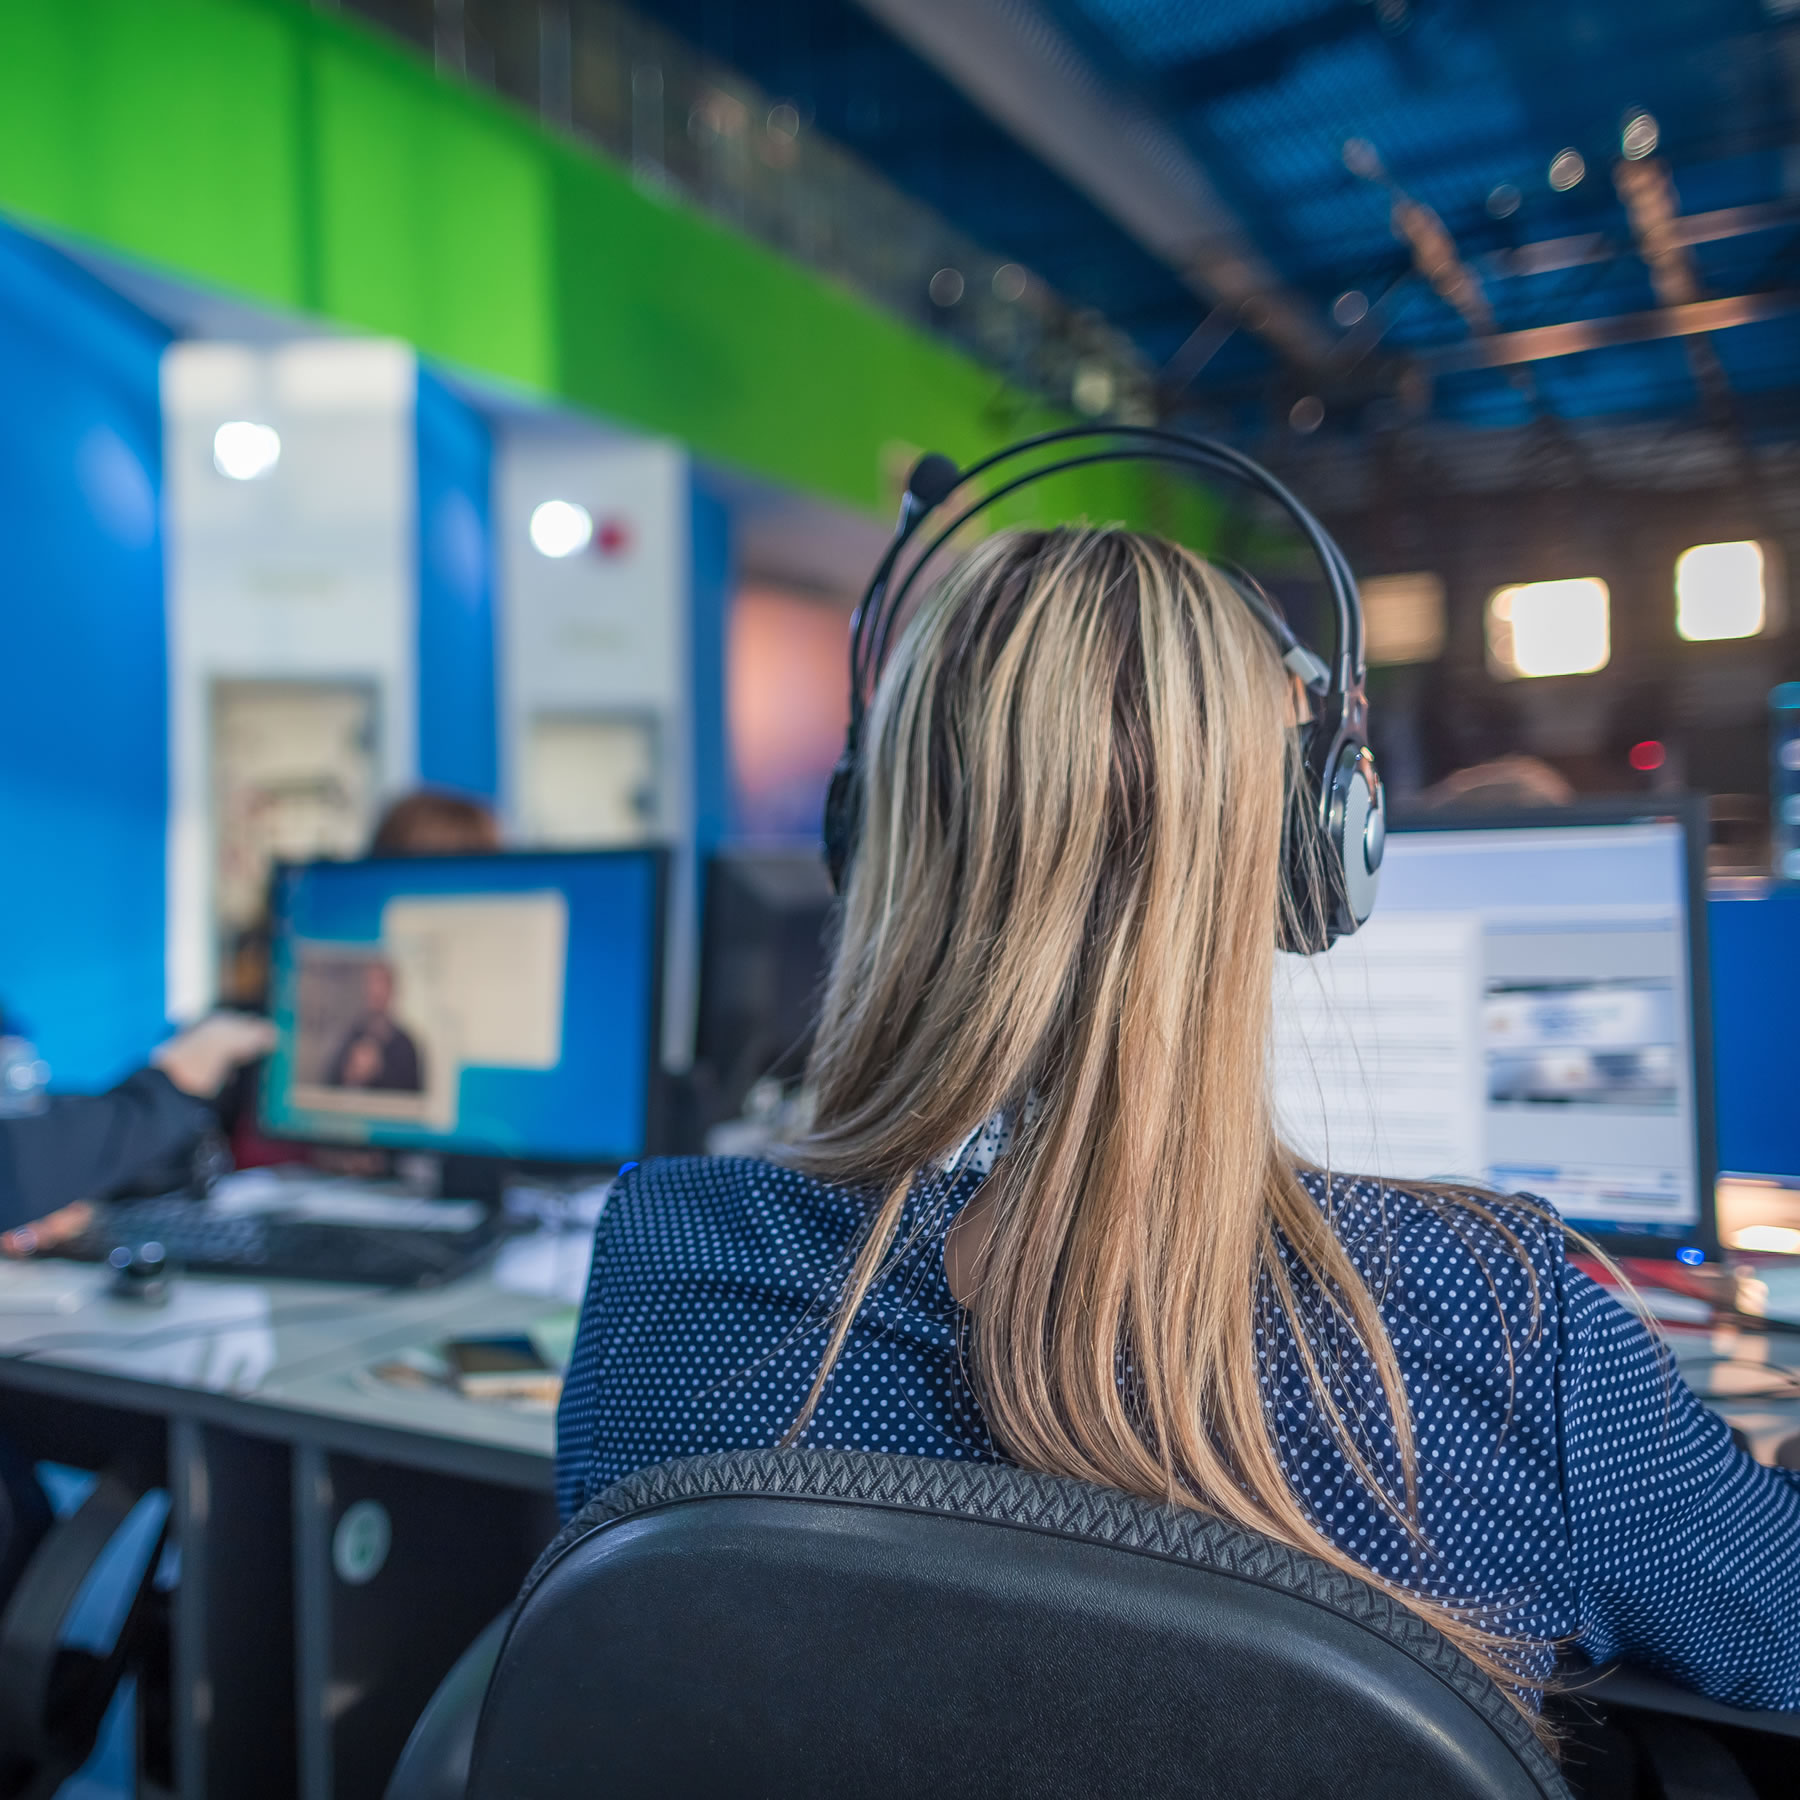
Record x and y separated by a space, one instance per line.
819 1623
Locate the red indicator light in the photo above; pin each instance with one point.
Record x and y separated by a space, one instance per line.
1646 756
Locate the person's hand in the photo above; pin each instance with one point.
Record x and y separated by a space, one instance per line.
198 1060
363 1065
43 1235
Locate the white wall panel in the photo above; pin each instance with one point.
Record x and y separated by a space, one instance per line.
306 573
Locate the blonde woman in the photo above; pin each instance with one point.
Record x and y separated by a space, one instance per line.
1043 1213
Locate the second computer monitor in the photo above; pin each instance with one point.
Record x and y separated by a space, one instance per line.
1525 1011
487 1006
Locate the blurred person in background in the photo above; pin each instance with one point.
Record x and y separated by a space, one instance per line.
436 822
1505 784
79 1148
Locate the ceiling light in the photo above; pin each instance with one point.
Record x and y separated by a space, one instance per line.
1503 201
244 451
946 287
1566 170
1720 591
1093 389
1009 282
1350 307
561 528
1638 138
1550 627
1307 414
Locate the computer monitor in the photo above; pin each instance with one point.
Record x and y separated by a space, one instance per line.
499 1006
1755 933
762 968
1528 1011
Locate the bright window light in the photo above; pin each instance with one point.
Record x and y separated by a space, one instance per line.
1550 627
1720 591
561 528
245 451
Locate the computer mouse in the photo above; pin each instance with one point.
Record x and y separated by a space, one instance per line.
140 1273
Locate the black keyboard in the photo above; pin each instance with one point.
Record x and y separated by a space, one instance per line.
268 1244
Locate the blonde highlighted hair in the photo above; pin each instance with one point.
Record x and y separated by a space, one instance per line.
1068 886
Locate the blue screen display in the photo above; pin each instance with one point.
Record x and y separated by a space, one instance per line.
499 1006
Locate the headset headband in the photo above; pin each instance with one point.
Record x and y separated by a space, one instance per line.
935 479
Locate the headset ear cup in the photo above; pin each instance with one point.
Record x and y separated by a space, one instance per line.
1356 830
843 818
1333 841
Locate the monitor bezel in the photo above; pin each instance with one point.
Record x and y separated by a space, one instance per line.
1689 811
655 1101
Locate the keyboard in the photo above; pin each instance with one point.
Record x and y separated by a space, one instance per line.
269 1243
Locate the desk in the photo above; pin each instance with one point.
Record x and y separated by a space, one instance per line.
247 1400
304 1648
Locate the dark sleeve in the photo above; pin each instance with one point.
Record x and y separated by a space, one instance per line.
87 1146
1687 1549
405 1065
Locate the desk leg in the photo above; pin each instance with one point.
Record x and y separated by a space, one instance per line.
312 1619
398 1570
233 1615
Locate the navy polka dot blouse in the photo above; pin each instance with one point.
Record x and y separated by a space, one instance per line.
1568 1481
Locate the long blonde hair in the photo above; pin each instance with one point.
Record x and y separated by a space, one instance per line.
1067 886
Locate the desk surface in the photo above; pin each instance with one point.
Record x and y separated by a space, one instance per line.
291 1359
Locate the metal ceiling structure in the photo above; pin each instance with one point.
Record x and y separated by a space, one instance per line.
1484 213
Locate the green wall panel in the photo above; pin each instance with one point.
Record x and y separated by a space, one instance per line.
164 128
433 216
296 157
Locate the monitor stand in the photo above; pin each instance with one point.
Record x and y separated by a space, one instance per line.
480 1178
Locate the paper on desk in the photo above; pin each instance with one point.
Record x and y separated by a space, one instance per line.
47 1287
213 1334
553 1264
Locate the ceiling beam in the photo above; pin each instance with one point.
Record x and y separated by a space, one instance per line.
1541 342
1018 67
1685 230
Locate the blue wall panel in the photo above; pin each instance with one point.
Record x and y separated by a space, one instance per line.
1756 1008
710 577
83 679
458 733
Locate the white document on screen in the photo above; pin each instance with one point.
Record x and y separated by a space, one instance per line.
1377 1058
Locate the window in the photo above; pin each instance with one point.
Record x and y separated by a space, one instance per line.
1550 627
1721 591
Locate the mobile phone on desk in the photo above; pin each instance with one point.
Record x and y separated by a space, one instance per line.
508 1367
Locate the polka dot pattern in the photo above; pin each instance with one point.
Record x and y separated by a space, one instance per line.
1569 1485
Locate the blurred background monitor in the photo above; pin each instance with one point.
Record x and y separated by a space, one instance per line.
1756 1018
763 962
492 1006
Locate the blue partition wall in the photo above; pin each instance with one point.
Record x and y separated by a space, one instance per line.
458 722
1756 1015
83 680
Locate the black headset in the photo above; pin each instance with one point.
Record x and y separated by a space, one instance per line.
1336 827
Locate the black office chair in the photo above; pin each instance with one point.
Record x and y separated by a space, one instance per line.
818 1623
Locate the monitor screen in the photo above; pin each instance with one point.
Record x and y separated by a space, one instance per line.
1522 1013
500 1006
